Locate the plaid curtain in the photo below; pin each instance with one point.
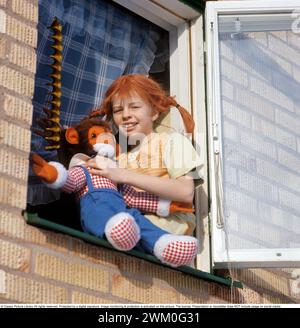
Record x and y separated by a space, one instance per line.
101 41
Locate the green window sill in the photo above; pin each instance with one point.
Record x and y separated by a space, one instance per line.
35 220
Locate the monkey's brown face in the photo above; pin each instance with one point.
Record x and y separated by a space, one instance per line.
83 137
93 134
98 134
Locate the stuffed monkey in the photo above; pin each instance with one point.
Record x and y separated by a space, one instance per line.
103 210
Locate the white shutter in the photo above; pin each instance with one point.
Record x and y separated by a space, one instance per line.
253 84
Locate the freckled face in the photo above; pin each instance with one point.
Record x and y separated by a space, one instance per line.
133 115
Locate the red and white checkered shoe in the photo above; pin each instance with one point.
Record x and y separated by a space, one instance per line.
176 250
122 231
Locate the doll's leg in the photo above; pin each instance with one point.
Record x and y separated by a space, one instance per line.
174 250
104 213
122 231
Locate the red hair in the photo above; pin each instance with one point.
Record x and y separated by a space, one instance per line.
148 90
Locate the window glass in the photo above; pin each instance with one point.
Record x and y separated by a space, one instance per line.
260 127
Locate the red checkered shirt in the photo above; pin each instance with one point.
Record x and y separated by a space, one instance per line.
76 182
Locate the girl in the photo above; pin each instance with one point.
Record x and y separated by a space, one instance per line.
159 163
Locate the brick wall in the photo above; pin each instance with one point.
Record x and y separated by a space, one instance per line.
261 126
39 266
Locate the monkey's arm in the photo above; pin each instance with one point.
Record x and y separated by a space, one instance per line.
55 175
150 203
47 172
76 180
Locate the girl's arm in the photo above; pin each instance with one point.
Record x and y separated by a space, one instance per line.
180 189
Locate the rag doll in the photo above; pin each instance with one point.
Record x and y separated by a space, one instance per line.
104 210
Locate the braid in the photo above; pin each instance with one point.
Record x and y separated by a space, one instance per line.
147 89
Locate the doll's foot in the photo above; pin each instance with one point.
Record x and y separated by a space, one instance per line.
176 250
122 231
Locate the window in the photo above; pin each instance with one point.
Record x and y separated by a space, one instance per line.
253 121
97 48
185 79
253 57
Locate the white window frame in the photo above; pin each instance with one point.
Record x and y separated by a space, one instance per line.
187 83
222 257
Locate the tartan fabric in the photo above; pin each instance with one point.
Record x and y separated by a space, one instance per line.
125 234
144 201
179 253
101 41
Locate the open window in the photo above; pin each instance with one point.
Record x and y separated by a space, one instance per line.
101 41
253 83
183 75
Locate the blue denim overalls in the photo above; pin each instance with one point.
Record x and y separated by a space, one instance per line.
98 205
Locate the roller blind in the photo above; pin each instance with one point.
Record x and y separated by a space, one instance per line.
256 22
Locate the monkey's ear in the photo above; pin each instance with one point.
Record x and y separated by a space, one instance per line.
72 136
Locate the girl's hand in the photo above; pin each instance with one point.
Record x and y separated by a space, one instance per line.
107 168
179 190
